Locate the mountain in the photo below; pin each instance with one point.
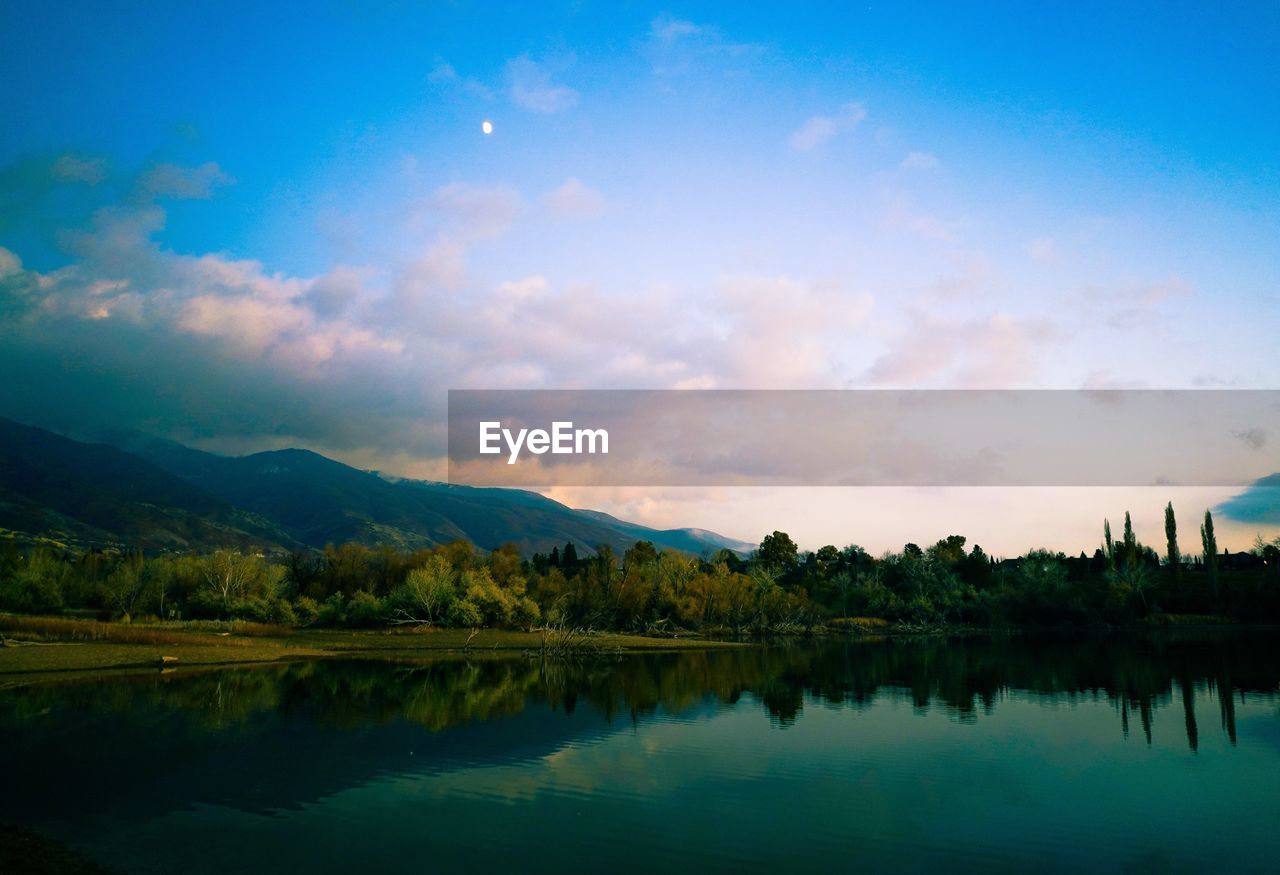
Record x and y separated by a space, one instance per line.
158 494
318 501
689 540
92 494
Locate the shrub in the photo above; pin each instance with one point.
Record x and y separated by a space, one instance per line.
464 614
495 605
281 613
205 604
365 609
306 610
859 624
31 595
428 593
333 612
526 612
256 609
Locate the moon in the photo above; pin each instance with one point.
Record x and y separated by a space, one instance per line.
487 127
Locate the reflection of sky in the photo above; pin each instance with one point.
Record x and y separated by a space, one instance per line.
912 751
904 787
252 228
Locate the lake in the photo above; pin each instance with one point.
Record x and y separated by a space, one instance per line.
1125 753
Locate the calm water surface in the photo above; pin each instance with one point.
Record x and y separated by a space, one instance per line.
1158 753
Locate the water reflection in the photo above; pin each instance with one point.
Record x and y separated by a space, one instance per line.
968 677
844 741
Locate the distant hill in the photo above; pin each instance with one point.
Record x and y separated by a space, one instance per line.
157 494
689 540
91 494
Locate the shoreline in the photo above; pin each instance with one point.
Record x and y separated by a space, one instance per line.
26 655
83 648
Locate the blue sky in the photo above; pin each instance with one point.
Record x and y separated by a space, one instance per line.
253 225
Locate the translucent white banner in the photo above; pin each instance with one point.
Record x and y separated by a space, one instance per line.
863 438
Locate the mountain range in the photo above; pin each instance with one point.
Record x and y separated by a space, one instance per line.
134 490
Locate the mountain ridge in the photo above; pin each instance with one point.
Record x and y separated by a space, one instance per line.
133 489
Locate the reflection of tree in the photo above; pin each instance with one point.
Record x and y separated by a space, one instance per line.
968 677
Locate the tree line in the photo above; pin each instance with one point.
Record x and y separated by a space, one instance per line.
777 589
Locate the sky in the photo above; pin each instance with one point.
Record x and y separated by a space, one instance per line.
249 226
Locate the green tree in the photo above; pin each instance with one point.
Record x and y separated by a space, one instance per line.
1210 544
949 551
1171 538
641 553
427 595
843 583
777 552
1130 550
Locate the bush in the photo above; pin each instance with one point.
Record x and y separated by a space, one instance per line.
859 624
921 610
365 609
494 604
205 605
333 612
281 613
31 595
526 613
255 609
305 611
428 593
464 614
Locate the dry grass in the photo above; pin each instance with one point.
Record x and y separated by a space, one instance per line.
60 629
238 627
859 624
49 645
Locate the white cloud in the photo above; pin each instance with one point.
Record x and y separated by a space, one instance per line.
198 348
531 87
1130 306
1043 250
994 352
471 213
901 214
69 168
972 276
782 332
176 181
458 215
675 46
574 200
442 72
1098 380
667 31
445 75
819 129
919 161
10 264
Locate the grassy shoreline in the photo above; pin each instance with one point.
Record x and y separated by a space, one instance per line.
36 647
47 646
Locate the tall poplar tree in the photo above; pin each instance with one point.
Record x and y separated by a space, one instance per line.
1210 544
1171 537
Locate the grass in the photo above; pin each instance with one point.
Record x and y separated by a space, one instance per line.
859 624
39 645
61 629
